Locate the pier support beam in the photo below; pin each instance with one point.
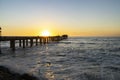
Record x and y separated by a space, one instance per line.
44 40
47 40
23 43
19 43
40 41
31 42
36 41
26 42
12 45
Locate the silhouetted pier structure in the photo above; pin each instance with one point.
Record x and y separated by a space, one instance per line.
25 41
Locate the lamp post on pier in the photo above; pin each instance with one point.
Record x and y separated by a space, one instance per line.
0 39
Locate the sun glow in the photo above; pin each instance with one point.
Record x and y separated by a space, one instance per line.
45 33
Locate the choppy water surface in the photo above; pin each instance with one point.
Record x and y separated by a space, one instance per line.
80 58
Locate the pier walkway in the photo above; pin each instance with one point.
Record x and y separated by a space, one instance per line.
30 40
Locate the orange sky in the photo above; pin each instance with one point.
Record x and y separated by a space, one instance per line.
74 17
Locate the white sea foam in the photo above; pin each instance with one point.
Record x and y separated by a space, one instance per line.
71 59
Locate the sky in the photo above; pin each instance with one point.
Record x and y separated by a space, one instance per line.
72 17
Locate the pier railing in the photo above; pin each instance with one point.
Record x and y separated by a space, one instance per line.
25 40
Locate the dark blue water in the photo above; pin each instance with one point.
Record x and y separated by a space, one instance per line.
77 58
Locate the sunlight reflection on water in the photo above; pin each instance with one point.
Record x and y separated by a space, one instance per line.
72 59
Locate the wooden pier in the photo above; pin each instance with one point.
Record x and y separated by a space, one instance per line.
25 41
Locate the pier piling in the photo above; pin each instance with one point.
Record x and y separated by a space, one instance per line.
36 41
23 43
12 44
31 42
19 43
26 42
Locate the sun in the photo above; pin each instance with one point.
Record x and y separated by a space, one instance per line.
45 33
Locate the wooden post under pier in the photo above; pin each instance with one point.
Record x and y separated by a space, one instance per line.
36 41
31 42
23 43
26 42
19 43
40 41
12 44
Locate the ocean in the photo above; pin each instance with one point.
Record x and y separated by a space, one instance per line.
76 58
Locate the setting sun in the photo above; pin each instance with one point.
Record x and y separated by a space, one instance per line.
45 33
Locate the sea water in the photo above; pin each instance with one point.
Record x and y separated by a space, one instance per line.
76 58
